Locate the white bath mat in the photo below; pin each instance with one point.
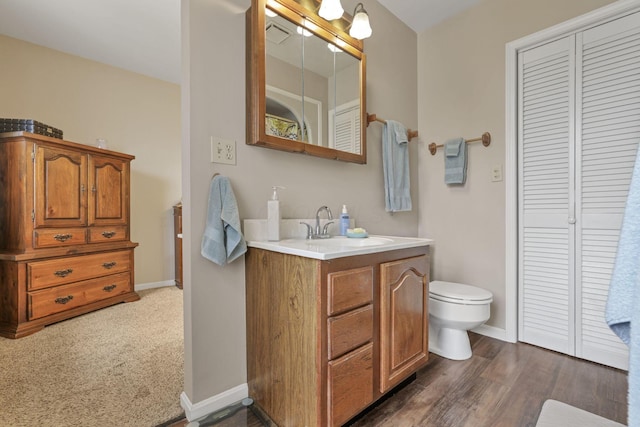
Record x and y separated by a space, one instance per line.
558 414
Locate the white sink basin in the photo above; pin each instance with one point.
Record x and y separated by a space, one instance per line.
337 247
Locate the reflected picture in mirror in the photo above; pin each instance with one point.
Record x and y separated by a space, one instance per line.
313 87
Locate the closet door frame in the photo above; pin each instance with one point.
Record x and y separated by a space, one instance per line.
613 11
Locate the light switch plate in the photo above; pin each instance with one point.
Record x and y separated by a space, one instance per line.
223 151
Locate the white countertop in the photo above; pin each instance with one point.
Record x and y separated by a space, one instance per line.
339 246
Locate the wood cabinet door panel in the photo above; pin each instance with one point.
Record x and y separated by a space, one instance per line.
60 188
60 298
350 330
42 274
350 384
109 194
404 315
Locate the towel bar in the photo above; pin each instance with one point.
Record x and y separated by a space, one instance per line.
374 118
485 138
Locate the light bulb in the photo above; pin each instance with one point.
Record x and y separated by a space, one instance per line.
331 9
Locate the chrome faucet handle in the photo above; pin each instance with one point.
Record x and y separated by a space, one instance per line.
309 230
325 232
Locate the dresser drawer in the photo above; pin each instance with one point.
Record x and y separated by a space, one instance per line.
350 330
349 289
350 385
42 274
60 298
52 237
107 234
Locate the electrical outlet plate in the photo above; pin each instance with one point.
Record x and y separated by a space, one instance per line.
223 151
496 173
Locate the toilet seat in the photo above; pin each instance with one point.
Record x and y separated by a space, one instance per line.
457 293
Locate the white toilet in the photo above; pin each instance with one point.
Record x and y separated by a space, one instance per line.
455 308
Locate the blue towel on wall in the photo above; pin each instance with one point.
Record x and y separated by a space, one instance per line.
455 161
395 163
222 241
623 304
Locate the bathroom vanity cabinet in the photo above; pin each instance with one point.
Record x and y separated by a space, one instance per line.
64 231
327 338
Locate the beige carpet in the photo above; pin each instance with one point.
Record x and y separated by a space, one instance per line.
558 414
120 366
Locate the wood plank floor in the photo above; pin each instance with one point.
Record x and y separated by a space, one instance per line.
502 385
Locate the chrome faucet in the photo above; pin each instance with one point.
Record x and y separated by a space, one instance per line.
324 234
319 233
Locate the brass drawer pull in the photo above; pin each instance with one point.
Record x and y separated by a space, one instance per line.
64 300
108 234
109 265
64 273
62 237
109 288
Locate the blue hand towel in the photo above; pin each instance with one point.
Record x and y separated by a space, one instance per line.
222 241
395 164
455 161
623 304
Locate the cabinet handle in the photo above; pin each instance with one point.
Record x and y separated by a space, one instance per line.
64 273
62 237
109 265
64 300
108 234
109 288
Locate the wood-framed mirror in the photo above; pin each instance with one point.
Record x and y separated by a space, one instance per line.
306 80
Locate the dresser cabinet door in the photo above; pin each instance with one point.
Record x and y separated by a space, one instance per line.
404 315
108 195
60 188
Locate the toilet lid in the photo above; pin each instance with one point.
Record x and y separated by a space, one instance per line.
459 293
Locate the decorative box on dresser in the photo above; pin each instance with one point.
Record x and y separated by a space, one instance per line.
65 248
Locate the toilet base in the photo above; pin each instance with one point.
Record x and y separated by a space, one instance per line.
449 343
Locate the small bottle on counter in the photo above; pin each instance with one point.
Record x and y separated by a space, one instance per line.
344 221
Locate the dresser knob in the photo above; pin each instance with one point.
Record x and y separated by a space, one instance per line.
108 234
109 288
109 265
64 300
63 273
62 237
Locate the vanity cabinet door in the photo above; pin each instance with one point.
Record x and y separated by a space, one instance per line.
404 314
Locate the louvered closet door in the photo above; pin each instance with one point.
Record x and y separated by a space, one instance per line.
545 150
608 82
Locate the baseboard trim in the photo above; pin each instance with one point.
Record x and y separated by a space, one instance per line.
492 332
151 285
193 411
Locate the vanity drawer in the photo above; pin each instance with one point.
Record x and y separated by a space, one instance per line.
349 289
52 237
42 274
60 298
107 234
350 385
350 330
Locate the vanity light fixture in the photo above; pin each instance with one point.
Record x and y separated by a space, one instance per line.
360 27
331 9
333 48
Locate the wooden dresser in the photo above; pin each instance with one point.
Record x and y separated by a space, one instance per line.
65 248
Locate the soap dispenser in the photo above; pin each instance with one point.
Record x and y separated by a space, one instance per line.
273 216
344 221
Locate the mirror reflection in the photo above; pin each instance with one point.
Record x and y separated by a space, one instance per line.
312 92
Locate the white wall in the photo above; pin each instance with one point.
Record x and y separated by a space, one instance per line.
214 105
461 83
